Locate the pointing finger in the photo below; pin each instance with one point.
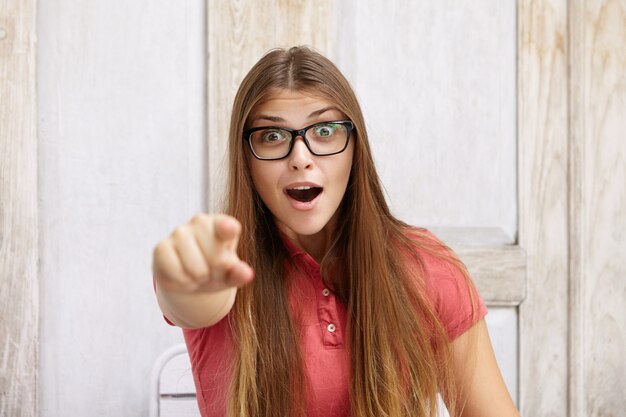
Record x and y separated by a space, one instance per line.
227 230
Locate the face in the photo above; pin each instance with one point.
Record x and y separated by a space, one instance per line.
287 185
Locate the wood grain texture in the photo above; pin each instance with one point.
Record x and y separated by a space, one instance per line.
598 208
437 84
234 47
18 211
499 273
543 233
239 33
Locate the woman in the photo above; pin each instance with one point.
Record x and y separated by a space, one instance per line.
308 298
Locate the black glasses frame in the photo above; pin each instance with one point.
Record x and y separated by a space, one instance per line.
302 133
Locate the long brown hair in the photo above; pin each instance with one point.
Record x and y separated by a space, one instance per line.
399 350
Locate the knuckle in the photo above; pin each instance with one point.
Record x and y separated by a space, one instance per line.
180 232
198 273
176 282
161 249
201 219
168 283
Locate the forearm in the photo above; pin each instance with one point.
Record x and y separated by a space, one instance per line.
195 310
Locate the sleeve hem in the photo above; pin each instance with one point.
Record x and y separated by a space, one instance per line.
457 328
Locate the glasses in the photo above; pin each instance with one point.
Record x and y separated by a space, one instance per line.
270 143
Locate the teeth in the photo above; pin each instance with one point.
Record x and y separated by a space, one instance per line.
302 187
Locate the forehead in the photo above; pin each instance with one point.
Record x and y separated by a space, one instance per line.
292 105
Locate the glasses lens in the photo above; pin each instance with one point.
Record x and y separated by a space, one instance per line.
270 143
327 138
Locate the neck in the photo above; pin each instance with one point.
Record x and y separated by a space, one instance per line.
317 244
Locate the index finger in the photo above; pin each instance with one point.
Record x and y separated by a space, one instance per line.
227 230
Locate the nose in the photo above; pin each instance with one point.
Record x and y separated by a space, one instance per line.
300 156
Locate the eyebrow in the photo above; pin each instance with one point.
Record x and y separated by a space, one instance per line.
314 114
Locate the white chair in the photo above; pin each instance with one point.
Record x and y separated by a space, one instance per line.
172 390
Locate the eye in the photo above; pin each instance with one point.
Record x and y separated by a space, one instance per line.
273 136
326 130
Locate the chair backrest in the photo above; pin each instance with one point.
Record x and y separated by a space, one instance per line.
172 390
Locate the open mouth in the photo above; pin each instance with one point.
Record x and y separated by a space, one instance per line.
304 193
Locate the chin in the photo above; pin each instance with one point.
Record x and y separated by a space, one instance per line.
307 228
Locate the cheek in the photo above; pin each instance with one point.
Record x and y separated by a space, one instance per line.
256 175
347 162
263 178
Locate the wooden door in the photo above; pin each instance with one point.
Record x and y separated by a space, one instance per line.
465 105
438 84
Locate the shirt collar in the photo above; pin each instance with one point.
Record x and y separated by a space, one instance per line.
298 254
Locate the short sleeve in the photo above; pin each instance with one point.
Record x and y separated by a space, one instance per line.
455 298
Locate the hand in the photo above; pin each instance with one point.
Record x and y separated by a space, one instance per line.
201 256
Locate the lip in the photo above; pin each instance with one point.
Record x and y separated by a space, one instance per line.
301 205
301 184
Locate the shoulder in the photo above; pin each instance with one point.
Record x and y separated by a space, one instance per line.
427 252
446 282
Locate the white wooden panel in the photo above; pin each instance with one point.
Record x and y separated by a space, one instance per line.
437 82
378 46
598 208
543 215
502 325
239 33
503 329
19 306
499 272
121 164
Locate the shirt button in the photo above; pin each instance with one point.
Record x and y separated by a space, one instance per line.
325 292
331 328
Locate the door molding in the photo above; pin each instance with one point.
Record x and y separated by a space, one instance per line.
19 246
531 275
543 205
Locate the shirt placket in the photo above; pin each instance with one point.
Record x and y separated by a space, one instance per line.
332 333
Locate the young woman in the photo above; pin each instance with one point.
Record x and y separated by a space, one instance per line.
308 298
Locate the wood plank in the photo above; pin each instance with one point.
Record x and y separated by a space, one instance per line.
543 222
499 273
598 208
238 36
18 210
441 126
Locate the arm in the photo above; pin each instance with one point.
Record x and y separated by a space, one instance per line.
197 271
480 383
195 310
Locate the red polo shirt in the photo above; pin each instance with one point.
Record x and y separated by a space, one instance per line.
322 318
